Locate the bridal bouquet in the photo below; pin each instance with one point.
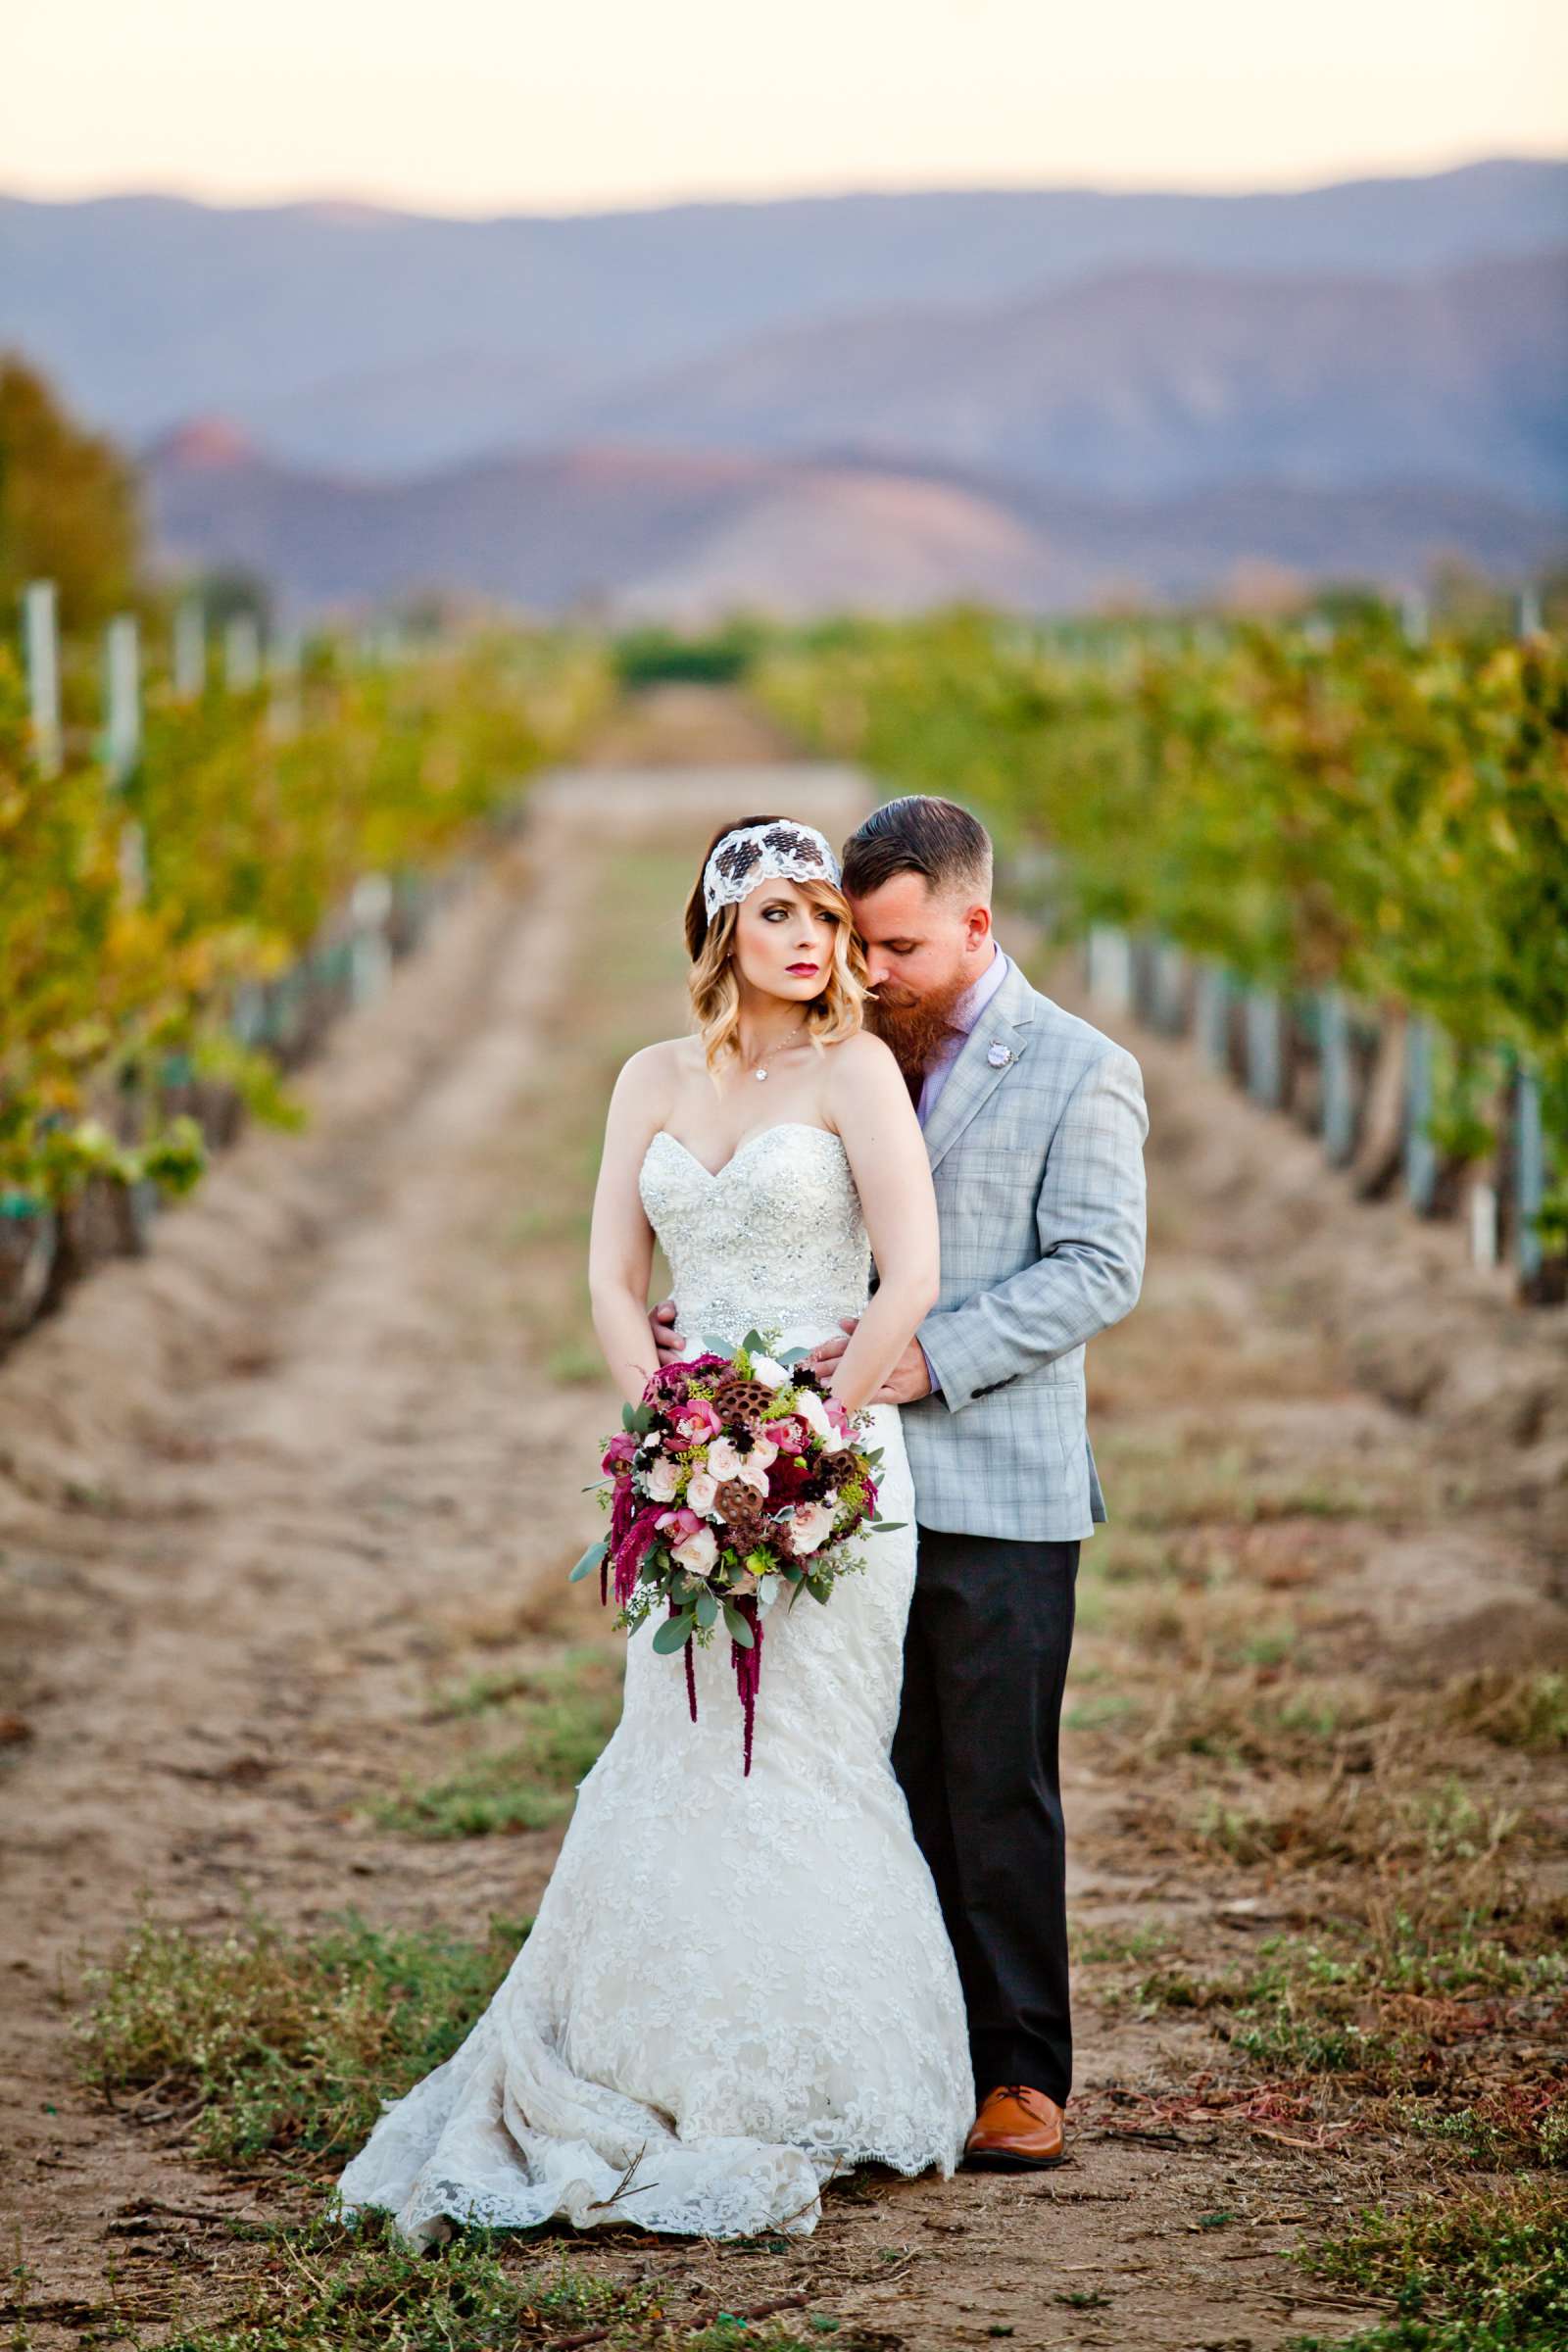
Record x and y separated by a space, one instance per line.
735 1478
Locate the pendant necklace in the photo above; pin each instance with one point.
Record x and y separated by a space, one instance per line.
759 1073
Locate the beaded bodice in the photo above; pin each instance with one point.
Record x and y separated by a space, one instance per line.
776 1241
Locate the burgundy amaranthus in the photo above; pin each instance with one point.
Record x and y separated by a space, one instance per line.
748 1665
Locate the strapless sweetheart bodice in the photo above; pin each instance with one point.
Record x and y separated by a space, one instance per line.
773 1241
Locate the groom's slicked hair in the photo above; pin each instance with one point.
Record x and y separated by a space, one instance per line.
919 834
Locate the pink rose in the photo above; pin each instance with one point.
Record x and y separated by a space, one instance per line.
700 1488
724 1460
809 1527
659 1478
699 1551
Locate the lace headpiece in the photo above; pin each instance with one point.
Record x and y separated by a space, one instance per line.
753 854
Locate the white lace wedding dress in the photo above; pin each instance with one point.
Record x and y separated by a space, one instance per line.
734 1985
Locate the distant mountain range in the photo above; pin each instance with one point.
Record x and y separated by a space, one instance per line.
689 535
1036 395
344 335
1152 380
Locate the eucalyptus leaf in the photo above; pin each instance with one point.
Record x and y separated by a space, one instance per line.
706 1607
738 1629
885 1527
590 1560
674 1633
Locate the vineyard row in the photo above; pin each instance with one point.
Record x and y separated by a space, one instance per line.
1338 857
191 894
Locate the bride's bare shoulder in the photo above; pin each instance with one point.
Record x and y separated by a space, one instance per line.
654 1069
854 1059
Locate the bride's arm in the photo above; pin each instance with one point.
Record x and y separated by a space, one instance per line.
869 1105
621 1243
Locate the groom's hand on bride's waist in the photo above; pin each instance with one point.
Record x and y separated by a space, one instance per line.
670 1342
908 1380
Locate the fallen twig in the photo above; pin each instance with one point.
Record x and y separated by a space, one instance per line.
1314 2147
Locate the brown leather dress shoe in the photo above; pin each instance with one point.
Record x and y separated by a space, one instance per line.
1016 2130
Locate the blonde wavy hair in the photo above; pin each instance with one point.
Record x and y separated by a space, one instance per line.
714 986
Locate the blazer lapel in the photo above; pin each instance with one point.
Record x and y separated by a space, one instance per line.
974 1076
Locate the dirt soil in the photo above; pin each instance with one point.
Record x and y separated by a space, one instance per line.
264 1491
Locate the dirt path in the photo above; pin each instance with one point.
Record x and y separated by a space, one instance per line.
266 1494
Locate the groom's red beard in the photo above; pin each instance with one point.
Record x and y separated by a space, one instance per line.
916 1029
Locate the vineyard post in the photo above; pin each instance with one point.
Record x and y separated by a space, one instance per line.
1169 987
1483 1222
242 653
1264 1071
1339 1093
122 741
283 715
370 955
190 650
1420 1152
1110 967
42 649
1530 1173
1212 1015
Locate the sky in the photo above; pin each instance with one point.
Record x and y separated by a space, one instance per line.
476 107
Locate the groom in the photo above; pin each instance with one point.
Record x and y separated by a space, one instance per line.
1035 1125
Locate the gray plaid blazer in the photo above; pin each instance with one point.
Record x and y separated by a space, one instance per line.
1036 1144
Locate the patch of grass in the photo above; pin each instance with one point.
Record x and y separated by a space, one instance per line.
503 1688
266 2044
1098 1946
1387 1819
1243 1719
1476 2274
1453 1827
1521 2124
560 1719
327 2287
1516 1710
1393 2017
1097 1709
1417 2020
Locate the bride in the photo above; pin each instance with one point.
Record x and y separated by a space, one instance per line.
735 1986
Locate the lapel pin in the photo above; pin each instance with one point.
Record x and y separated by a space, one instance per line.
999 1054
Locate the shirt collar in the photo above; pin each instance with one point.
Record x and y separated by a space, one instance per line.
974 999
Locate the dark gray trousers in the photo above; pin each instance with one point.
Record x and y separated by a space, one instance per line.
985 1661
